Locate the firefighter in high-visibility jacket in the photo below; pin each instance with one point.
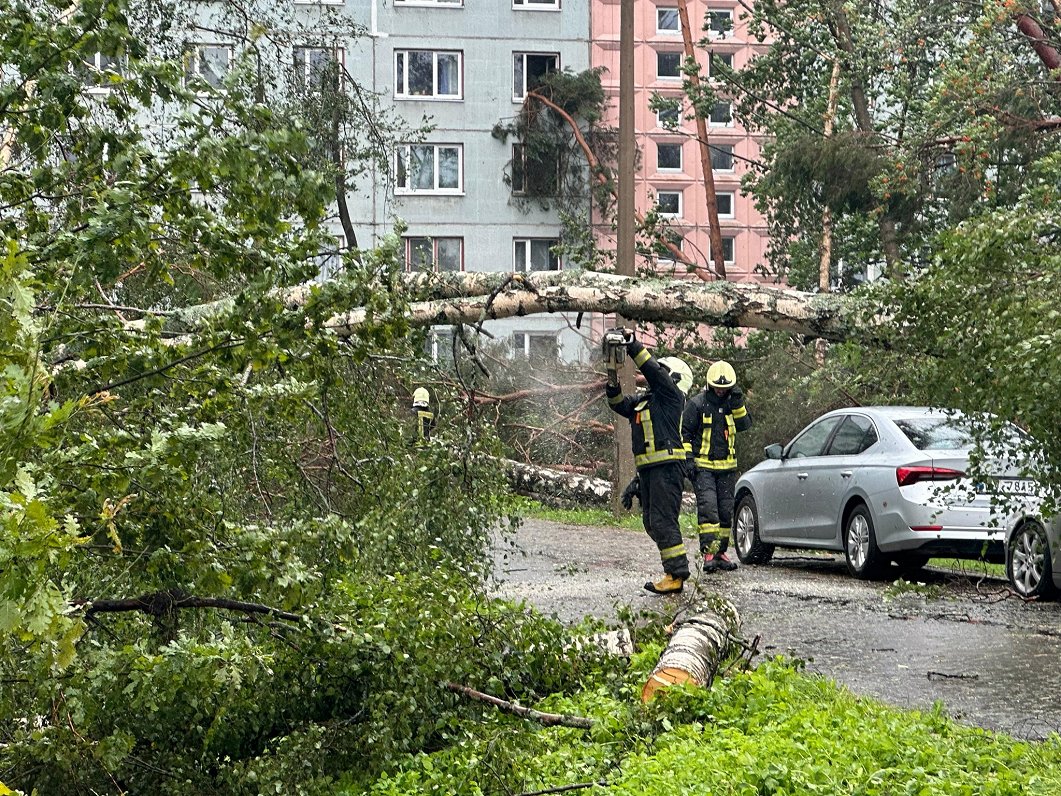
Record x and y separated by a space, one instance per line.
425 418
655 416
710 424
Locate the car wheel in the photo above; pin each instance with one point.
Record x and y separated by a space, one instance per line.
750 548
864 559
910 564
1028 562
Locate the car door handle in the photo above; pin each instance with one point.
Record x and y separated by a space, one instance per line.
802 476
846 473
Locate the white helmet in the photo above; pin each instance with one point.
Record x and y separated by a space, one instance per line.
680 372
421 397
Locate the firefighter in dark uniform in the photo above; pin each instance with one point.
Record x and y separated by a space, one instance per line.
709 429
655 416
425 418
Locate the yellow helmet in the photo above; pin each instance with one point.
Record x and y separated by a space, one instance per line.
722 375
421 397
680 372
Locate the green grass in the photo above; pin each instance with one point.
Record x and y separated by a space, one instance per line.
630 520
969 568
774 731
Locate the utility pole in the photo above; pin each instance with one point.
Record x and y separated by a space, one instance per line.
624 253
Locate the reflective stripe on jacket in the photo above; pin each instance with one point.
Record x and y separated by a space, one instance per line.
655 416
710 425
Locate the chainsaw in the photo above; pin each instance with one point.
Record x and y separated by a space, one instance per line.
614 345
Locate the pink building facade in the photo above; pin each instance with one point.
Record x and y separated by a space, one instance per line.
669 173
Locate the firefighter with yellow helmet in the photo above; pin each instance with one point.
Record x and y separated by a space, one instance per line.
655 416
710 424
425 418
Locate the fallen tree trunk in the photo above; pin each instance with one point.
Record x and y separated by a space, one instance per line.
696 648
557 488
472 298
450 298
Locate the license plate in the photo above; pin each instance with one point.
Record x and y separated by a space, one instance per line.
1011 486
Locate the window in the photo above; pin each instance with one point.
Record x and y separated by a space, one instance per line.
430 168
667 20
330 260
719 64
209 62
535 345
668 157
428 2
531 176
721 157
426 73
812 441
536 5
535 254
724 203
721 115
668 65
728 244
719 23
528 69
670 117
665 255
855 434
97 69
439 345
434 254
314 65
669 203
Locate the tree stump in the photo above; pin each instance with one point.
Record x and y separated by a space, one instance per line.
696 648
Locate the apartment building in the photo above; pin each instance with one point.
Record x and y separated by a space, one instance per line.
670 177
467 65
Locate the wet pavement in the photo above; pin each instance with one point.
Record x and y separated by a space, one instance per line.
966 641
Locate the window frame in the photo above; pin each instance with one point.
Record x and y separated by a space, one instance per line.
853 419
830 424
522 54
407 241
676 31
722 58
732 258
527 266
193 57
659 54
434 96
306 70
709 29
524 351
719 148
678 111
94 70
681 202
536 5
681 157
400 190
732 204
710 119
519 166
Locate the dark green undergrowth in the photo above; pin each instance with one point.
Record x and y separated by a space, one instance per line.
773 730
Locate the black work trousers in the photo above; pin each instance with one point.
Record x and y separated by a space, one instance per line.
661 503
714 507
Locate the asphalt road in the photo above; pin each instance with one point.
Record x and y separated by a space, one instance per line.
991 659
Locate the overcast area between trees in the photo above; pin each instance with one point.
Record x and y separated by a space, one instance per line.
223 566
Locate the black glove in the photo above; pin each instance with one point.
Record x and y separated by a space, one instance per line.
628 336
736 393
633 489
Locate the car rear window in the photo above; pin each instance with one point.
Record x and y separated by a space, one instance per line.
936 433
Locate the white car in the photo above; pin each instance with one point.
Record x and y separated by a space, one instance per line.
888 484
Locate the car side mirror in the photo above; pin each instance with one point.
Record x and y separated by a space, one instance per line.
773 451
